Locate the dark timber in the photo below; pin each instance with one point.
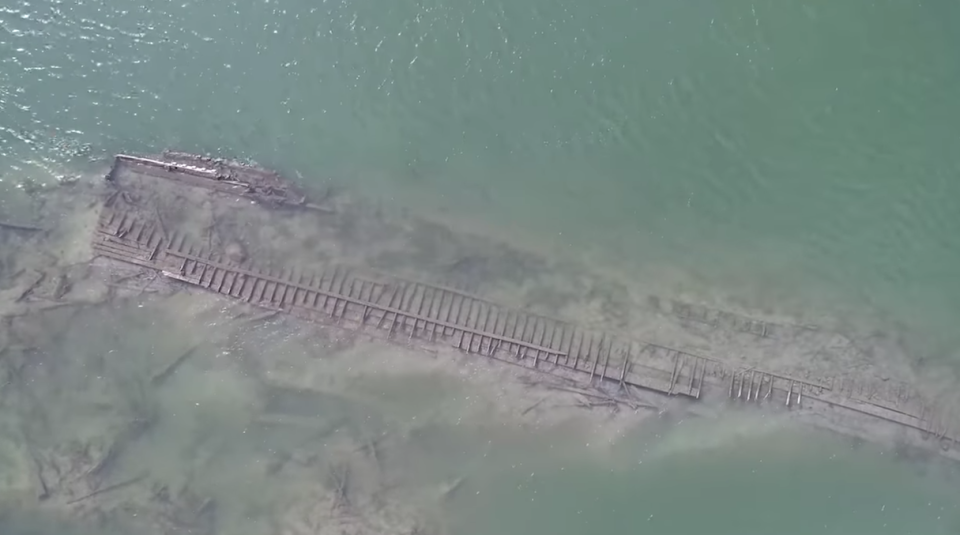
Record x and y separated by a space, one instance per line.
402 310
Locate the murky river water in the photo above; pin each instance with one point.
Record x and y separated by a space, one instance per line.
783 154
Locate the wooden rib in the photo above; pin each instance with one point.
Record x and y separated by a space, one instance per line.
693 375
253 288
368 299
423 301
339 313
511 323
456 319
576 363
289 297
241 286
308 290
286 287
676 368
465 322
448 298
349 298
537 322
537 325
703 372
276 285
603 374
328 291
566 352
553 337
473 320
139 235
477 327
233 282
183 241
124 227
463 333
246 291
486 328
298 287
499 330
626 362
543 334
207 265
522 326
393 296
407 302
312 298
435 303
401 296
377 292
263 287
258 284
596 360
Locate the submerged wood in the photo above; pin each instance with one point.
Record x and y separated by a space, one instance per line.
341 477
109 488
38 279
438 317
162 375
20 227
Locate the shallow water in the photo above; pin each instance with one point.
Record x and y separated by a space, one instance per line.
444 450
767 485
781 154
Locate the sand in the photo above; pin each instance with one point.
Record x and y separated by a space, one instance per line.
133 400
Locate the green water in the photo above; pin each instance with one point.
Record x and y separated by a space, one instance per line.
756 486
780 152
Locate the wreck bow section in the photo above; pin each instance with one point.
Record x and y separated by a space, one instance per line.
217 174
407 311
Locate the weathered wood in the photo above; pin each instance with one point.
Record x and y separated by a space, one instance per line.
447 316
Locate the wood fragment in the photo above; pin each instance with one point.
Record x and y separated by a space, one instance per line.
341 480
631 403
452 488
43 492
531 407
143 289
703 372
163 228
372 448
264 316
63 286
161 376
20 227
109 488
42 307
206 506
595 404
37 280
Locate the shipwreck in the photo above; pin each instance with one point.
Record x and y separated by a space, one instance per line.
132 230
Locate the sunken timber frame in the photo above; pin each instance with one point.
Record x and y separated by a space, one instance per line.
403 310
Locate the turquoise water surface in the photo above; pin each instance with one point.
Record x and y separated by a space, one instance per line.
783 153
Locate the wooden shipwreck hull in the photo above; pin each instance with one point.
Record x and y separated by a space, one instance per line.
402 310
